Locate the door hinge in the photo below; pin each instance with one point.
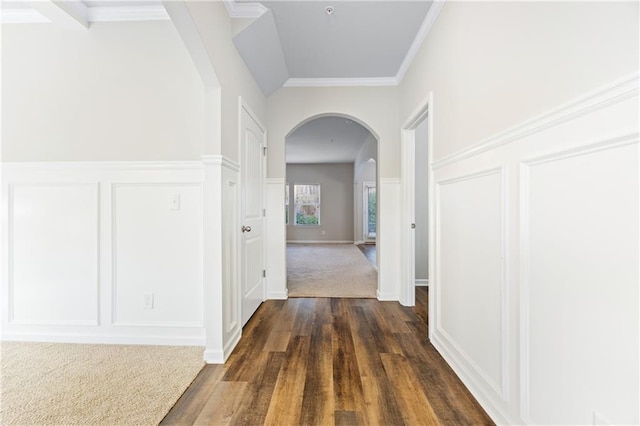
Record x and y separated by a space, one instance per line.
264 151
264 273
264 212
413 226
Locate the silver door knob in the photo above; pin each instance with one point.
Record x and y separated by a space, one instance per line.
246 228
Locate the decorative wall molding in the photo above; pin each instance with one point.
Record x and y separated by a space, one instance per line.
27 15
601 120
10 243
341 82
220 160
501 389
100 165
603 97
525 165
429 20
103 175
244 10
319 241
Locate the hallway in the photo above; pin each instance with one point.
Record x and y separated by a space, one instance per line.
331 361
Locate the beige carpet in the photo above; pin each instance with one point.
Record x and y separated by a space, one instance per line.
329 270
67 384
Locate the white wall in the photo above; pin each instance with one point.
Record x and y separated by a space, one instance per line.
85 243
118 91
494 64
535 280
336 201
216 29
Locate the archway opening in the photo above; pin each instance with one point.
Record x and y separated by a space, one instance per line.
331 208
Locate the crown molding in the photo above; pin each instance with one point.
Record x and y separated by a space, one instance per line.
22 16
341 82
244 10
127 13
91 14
429 20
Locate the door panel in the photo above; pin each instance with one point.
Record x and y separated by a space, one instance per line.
252 169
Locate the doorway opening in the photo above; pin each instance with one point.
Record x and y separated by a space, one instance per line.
418 222
331 208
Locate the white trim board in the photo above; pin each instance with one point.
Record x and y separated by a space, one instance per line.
320 242
131 13
422 282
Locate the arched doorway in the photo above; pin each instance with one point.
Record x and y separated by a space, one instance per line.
330 188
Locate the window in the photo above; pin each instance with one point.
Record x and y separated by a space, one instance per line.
370 210
307 204
286 203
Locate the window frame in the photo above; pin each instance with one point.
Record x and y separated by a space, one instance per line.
287 203
318 205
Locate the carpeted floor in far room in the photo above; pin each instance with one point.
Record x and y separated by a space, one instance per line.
74 384
329 270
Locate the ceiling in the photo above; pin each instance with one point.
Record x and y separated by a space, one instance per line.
359 42
326 140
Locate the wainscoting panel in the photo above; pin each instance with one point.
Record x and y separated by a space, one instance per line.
389 244
103 252
537 260
157 232
580 250
470 246
43 269
275 234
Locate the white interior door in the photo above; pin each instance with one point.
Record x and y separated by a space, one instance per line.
252 221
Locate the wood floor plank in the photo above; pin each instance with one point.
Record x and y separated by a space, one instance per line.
317 401
223 404
380 402
187 409
415 406
347 418
347 387
260 393
364 342
277 341
303 322
286 403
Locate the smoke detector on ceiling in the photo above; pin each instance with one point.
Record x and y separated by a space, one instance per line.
329 10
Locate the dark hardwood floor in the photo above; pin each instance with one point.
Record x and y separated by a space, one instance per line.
331 361
369 251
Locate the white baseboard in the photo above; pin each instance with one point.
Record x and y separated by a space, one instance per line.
231 344
422 282
278 295
471 382
213 357
105 340
358 242
386 296
320 242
